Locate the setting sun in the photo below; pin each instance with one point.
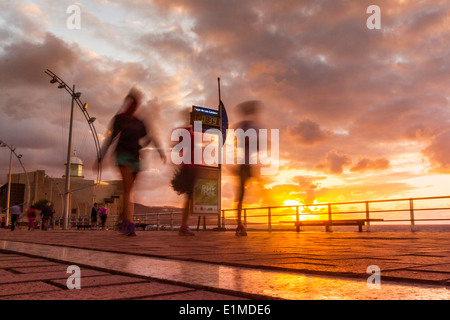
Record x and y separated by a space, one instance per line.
304 211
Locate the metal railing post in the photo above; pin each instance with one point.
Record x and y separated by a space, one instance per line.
411 214
297 219
328 228
367 216
223 219
270 219
245 218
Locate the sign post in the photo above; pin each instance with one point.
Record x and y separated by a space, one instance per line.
208 185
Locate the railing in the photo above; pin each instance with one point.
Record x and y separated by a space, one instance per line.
369 210
406 211
153 221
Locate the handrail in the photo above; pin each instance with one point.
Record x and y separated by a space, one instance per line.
330 211
341 203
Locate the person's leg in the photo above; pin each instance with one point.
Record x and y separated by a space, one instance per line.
13 222
244 175
128 178
241 192
186 210
184 229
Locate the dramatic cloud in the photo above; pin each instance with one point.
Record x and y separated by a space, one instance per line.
439 152
369 164
308 132
334 162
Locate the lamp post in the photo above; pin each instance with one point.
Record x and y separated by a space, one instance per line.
67 185
8 195
90 120
18 156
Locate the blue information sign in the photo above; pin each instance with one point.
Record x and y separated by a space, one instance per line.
206 110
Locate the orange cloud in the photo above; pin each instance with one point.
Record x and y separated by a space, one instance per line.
365 164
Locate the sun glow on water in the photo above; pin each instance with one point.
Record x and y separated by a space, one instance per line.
305 212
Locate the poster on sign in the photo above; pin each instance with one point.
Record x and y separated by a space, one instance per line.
206 191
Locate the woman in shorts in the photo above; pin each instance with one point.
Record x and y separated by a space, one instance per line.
128 130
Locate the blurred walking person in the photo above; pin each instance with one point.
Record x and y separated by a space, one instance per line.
248 111
15 213
183 183
129 130
31 215
103 213
94 214
46 214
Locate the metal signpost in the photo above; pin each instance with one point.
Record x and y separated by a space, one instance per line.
208 185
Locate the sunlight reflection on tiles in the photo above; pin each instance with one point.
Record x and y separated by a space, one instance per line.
254 281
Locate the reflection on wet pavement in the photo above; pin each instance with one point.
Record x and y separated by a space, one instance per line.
247 280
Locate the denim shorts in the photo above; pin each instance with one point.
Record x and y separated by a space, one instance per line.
128 160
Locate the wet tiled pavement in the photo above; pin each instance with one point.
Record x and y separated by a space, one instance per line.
218 265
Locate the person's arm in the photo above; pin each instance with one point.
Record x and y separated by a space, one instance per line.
152 137
111 134
162 155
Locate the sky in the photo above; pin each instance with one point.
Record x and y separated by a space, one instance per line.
362 114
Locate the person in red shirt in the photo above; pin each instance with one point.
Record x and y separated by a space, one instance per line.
31 215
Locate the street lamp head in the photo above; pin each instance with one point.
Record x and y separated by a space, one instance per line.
61 85
54 80
91 120
77 94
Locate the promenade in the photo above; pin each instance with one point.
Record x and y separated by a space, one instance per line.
218 265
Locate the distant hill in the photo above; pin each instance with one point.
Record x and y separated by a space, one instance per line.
140 208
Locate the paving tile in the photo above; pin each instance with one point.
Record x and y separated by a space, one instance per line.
195 295
14 258
92 281
436 268
14 289
4 274
45 276
127 291
26 264
417 275
40 269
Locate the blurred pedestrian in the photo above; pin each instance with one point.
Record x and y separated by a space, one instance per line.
249 112
94 214
103 212
15 213
129 131
3 223
46 214
183 183
31 215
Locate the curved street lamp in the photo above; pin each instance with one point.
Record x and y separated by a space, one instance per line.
8 197
90 120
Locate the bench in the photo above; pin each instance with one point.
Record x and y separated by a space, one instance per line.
141 226
83 226
328 223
